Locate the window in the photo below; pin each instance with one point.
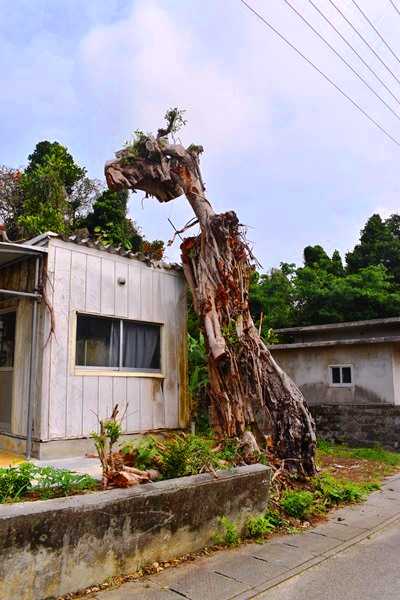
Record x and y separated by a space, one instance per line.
117 344
341 375
7 338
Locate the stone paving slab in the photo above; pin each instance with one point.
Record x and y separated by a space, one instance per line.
338 531
249 570
143 590
281 554
315 544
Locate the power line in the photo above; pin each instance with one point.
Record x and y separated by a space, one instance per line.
376 31
314 66
395 7
356 73
366 42
354 50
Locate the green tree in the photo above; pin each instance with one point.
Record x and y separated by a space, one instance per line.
108 221
379 245
55 189
271 298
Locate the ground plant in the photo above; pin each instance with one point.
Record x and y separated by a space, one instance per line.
227 533
183 454
29 482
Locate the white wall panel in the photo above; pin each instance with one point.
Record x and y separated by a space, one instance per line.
86 280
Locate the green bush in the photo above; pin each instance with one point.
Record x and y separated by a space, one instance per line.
145 454
257 527
188 455
297 503
227 532
16 483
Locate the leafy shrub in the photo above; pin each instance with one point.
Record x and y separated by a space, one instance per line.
145 455
188 455
297 503
275 519
18 482
257 527
181 454
227 532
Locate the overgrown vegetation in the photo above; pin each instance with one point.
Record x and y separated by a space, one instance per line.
183 454
27 481
54 193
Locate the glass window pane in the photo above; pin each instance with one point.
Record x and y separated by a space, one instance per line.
346 374
97 341
141 346
7 339
335 374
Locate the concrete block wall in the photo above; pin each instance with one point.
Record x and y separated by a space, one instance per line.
359 425
52 547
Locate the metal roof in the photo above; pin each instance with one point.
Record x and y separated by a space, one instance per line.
10 252
331 343
336 326
43 240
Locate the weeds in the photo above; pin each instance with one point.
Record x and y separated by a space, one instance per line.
258 527
297 503
227 533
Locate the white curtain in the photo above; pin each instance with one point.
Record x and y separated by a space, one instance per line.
141 346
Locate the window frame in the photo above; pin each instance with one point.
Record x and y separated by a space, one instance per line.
341 384
120 371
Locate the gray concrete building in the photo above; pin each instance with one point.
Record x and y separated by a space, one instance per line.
349 374
356 362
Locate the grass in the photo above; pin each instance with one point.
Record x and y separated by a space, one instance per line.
373 454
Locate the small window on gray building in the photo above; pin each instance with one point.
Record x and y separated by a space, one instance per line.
341 375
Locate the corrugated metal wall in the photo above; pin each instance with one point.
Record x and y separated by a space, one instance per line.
85 280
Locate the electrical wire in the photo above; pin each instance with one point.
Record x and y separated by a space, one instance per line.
395 7
355 51
376 31
366 42
352 69
314 66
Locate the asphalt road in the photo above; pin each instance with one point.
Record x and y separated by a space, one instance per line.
369 570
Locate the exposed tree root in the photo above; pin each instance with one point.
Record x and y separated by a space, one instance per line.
248 389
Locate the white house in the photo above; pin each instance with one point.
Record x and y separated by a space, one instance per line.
83 327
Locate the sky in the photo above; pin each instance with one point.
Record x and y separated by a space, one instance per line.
283 148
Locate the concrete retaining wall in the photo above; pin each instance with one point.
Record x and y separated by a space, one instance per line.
359 425
49 548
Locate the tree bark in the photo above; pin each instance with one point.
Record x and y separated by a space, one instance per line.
247 387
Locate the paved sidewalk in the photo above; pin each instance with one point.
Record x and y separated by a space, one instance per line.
248 571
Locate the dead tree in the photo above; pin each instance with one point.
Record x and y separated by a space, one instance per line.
247 387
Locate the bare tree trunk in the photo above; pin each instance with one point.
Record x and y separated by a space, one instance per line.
248 389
